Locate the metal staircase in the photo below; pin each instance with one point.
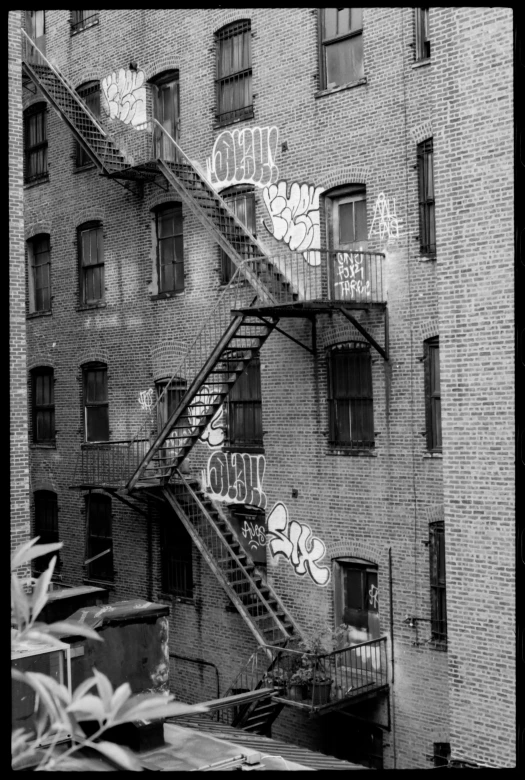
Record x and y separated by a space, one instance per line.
63 97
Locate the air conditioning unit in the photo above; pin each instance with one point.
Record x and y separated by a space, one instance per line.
37 657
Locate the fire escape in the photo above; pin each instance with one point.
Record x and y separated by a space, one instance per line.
263 290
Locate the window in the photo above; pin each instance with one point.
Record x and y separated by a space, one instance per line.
234 72
177 555
245 409
170 249
35 143
36 28
90 94
241 200
80 20
96 419
425 169
433 395
39 273
43 405
356 601
422 34
99 538
441 753
350 402
341 46
91 263
438 603
46 526
166 110
169 400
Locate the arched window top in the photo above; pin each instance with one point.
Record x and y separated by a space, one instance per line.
89 225
353 561
233 28
38 238
164 77
86 86
35 108
349 346
168 205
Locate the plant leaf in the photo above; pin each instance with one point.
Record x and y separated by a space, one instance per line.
71 628
36 635
39 598
19 737
30 550
83 688
53 708
79 764
119 755
120 696
154 707
19 602
54 687
88 707
105 689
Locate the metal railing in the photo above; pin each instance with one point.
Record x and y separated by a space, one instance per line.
313 680
109 463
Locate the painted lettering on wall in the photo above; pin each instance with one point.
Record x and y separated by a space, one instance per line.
245 156
295 217
254 534
349 277
214 432
201 406
296 542
146 399
235 478
124 96
373 595
385 222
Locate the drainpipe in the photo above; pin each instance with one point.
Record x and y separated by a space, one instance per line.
391 597
205 663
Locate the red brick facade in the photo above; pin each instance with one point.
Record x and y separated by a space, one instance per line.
375 507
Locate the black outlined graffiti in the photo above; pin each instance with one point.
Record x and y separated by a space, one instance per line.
236 478
297 544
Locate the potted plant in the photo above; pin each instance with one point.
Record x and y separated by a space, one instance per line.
275 678
298 683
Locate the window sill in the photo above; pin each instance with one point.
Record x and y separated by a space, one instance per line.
243 448
353 452
166 295
424 258
87 167
35 445
36 314
34 183
107 584
440 646
90 306
85 27
350 85
226 123
421 63
173 599
433 456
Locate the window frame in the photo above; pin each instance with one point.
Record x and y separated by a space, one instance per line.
434 433
255 441
45 410
176 262
101 569
32 254
367 571
422 34
326 41
241 27
176 559
94 404
79 21
438 584
86 92
335 442
31 151
426 197
85 267
163 147
233 196
45 505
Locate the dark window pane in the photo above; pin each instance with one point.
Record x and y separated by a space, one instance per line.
97 423
346 223
350 410
234 92
344 61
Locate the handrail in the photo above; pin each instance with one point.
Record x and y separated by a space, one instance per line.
65 83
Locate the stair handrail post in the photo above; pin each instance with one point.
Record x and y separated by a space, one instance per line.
66 84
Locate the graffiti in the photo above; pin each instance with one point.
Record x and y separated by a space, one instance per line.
295 217
201 406
255 534
387 221
146 399
124 96
214 433
373 595
351 274
236 478
297 544
244 156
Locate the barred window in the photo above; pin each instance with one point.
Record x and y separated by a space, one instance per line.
350 400
425 169
438 605
90 94
99 538
234 72
341 33
422 34
39 273
170 248
35 143
81 20
43 405
177 557
96 408
433 395
91 263
241 201
46 527
245 409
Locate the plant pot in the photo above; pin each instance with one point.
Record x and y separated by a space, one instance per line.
320 693
296 691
